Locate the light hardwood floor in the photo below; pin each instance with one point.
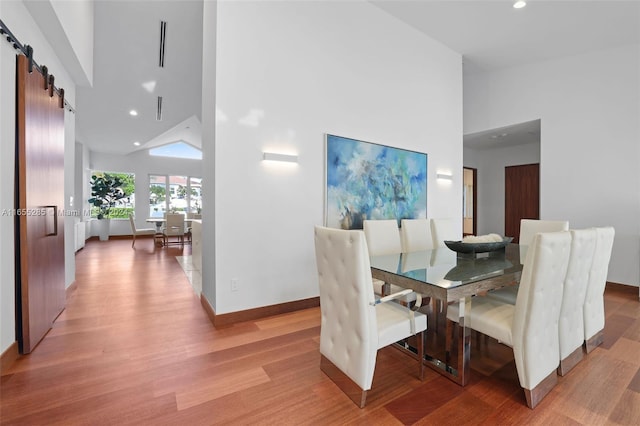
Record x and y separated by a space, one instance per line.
134 346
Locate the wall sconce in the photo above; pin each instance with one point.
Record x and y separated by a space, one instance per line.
272 156
444 176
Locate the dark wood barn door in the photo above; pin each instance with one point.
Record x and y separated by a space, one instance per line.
521 197
40 278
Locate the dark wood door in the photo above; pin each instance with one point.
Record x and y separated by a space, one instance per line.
40 287
521 197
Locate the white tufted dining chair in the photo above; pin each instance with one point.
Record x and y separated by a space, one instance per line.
383 238
530 326
415 235
528 229
444 230
571 324
594 300
354 325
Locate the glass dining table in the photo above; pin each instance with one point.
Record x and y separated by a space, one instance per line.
441 277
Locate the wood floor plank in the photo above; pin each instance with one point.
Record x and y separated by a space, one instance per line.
591 395
627 410
134 346
422 401
614 328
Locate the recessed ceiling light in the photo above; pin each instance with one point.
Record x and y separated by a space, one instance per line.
133 112
519 4
136 143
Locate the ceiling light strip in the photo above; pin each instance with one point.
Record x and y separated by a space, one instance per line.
159 111
163 36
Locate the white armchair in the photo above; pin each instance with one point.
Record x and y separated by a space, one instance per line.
594 300
354 325
530 326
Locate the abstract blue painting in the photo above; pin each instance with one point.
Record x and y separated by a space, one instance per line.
369 181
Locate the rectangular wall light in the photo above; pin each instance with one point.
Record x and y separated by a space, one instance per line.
272 156
444 176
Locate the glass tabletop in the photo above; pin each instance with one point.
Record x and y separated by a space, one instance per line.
446 269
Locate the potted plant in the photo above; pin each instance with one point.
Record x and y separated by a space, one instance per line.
105 192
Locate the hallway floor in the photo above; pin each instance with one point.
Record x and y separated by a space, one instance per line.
134 346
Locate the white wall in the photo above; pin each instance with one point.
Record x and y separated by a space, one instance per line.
490 185
589 106
15 15
70 206
142 165
69 29
287 73
209 42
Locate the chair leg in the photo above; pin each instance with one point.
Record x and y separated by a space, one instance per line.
346 385
570 361
535 395
420 337
594 341
133 243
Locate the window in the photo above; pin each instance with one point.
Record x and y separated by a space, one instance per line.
125 205
177 150
179 194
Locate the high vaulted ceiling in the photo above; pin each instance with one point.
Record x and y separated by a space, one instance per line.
489 34
127 76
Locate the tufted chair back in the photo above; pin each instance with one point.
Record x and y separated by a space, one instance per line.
383 237
571 325
444 230
537 310
415 235
530 227
348 329
594 300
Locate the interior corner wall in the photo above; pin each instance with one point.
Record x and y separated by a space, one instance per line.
288 73
490 164
17 18
209 46
70 209
589 106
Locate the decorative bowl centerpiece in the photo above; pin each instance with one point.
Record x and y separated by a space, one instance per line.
477 247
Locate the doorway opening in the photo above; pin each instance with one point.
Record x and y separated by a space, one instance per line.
491 152
469 201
